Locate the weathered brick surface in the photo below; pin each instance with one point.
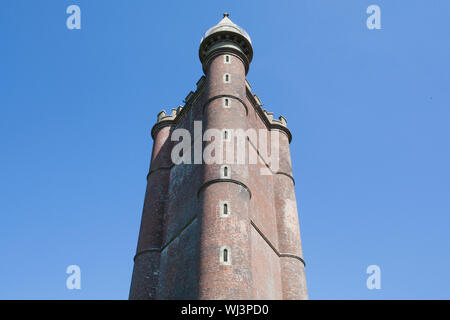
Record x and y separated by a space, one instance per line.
293 272
145 274
179 276
182 203
145 280
265 269
182 229
221 281
262 207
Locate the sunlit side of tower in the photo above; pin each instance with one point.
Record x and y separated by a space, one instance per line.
220 231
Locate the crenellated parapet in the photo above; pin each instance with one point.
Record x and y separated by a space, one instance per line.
266 116
164 118
280 121
168 119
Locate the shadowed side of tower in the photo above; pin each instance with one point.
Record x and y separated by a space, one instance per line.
228 228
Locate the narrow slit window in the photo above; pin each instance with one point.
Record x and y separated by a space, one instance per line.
224 209
227 59
226 102
226 78
225 256
225 172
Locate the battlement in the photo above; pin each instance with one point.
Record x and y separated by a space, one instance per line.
163 116
281 120
267 116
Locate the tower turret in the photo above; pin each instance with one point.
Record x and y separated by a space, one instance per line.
225 63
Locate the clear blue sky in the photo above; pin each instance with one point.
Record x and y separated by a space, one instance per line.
369 112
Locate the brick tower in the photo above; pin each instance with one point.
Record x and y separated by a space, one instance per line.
228 228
